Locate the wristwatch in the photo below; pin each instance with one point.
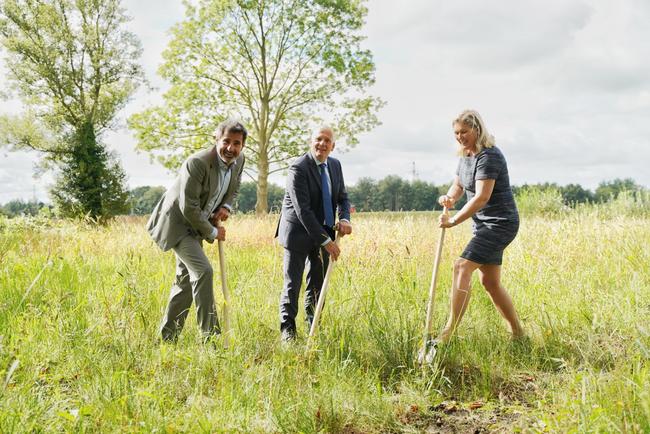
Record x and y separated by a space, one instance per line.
452 221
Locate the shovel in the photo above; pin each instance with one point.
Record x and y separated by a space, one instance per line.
321 300
226 295
428 351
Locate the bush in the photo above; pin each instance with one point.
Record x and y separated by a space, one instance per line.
626 203
546 202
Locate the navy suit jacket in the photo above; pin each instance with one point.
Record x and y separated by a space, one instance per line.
301 221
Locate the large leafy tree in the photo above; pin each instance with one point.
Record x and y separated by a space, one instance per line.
73 64
608 190
282 66
364 195
144 199
247 197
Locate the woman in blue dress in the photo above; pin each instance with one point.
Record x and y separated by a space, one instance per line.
483 174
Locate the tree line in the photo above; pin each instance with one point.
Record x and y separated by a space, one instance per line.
391 193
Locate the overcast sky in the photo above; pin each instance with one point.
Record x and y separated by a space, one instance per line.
563 85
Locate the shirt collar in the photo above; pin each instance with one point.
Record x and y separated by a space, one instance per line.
316 160
223 164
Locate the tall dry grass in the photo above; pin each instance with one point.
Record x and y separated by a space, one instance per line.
80 308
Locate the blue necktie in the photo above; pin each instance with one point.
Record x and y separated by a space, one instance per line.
327 196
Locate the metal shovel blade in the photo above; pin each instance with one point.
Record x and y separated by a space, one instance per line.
427 354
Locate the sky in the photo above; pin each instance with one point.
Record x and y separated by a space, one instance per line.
563 85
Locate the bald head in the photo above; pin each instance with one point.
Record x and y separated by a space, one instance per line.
323 128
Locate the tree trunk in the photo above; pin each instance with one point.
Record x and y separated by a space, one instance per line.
262 204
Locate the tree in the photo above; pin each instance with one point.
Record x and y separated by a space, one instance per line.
609 190
276 196
424 196
73 65
393 193
390 191
91 181
575 193
18 207
144 199
245 201
364 195
247 197
275 64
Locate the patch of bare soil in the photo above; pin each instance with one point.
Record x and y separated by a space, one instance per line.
520 389
452 417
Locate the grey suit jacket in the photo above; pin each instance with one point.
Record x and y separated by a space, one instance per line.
179 212
301 221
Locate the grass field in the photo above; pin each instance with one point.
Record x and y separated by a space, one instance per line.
80 308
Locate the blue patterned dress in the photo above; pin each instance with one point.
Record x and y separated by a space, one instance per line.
496 224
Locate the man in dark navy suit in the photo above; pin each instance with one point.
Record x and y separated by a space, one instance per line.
315 190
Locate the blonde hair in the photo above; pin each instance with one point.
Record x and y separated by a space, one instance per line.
473 120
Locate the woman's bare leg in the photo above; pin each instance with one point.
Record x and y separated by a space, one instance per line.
490 276
460 294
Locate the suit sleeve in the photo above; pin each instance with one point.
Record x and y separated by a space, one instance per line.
343 201
297 188
192 174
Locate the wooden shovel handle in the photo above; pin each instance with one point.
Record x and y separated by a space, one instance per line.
227 331
434 280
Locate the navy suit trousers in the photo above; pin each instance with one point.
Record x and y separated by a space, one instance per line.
294 267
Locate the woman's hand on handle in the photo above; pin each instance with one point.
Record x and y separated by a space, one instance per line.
445 221
455 191
446 201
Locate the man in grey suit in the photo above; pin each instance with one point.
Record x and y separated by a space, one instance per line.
187 214
315 189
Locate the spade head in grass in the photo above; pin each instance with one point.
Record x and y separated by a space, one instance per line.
427 354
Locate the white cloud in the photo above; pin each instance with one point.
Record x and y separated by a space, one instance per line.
564 85
558 82
17 178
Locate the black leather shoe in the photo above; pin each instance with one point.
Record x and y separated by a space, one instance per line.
288 335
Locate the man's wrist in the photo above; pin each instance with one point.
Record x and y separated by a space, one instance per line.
326 242
452 221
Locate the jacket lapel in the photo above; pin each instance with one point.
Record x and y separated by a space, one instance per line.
233 177
213 180
314 169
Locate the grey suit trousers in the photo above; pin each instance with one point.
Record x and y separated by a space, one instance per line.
294 266
194 276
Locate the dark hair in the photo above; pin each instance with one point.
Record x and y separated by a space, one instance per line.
231 126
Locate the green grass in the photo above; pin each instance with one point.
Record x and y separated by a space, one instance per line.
80 308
